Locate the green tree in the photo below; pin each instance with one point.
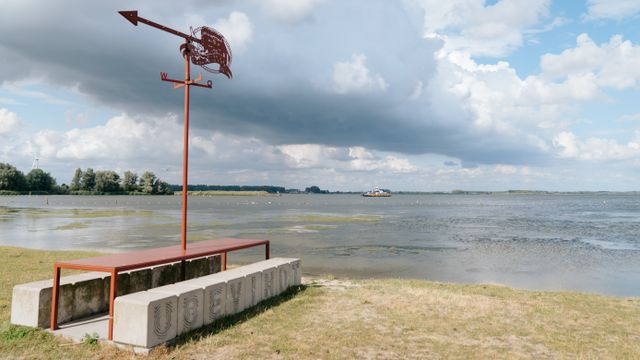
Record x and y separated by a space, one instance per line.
164 188
11 178
107 181
129 181
76 182
38 180
61 189
148 183
88 182
315 190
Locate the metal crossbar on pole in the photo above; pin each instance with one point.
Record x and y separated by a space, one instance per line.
211 48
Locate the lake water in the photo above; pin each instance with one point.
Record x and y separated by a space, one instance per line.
561 242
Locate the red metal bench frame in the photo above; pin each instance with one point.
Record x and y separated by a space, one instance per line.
116 263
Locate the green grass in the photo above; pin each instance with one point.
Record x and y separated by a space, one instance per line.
330 318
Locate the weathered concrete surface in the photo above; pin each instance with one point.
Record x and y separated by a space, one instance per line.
31 302
87 294
77 330
215 296
145 318
253 288
190 305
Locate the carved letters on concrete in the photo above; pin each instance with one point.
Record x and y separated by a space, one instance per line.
162 324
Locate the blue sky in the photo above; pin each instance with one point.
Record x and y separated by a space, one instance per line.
412 95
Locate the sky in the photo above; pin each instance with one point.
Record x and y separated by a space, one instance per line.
413 95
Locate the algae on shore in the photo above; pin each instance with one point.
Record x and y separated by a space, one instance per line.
319 218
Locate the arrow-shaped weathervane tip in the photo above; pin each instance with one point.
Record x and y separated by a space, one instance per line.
132 16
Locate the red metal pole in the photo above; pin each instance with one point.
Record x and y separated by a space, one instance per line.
185 160
54 297
113 290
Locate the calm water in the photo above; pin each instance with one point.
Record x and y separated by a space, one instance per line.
563 242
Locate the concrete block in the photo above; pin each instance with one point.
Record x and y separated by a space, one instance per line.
289 272
296 270
139 280
145 318
190 305
31 302
198 267
236 295
285 275
215 296
270 286
253 288
165 274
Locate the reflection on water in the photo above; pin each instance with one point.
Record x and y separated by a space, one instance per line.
574 242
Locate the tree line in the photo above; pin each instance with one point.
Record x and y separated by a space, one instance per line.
88 182
108 181
200 187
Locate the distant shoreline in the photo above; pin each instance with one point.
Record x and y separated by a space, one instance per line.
266 193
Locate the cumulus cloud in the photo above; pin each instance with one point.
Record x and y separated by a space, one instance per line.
614 64
344 159
569 146
311 95
121 137
237 29
480 29
611 9
9 121
354 77
290 10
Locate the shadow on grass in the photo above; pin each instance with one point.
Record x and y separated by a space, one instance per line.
232 320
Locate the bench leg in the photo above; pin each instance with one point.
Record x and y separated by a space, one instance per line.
112 296
54 297
224 261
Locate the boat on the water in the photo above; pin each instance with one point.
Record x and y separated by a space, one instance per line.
377 192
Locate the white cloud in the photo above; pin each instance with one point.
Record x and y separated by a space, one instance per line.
355 158
237 29
290 10
122 137
308 155
354 77
9 121
534 109
612 9
569 146
479 29
614 64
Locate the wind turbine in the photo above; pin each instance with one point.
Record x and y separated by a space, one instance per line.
36 162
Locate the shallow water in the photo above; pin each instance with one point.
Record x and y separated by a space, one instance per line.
561 242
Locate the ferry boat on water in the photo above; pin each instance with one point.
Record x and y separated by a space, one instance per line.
377 192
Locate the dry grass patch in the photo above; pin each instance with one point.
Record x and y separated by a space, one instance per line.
370 319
